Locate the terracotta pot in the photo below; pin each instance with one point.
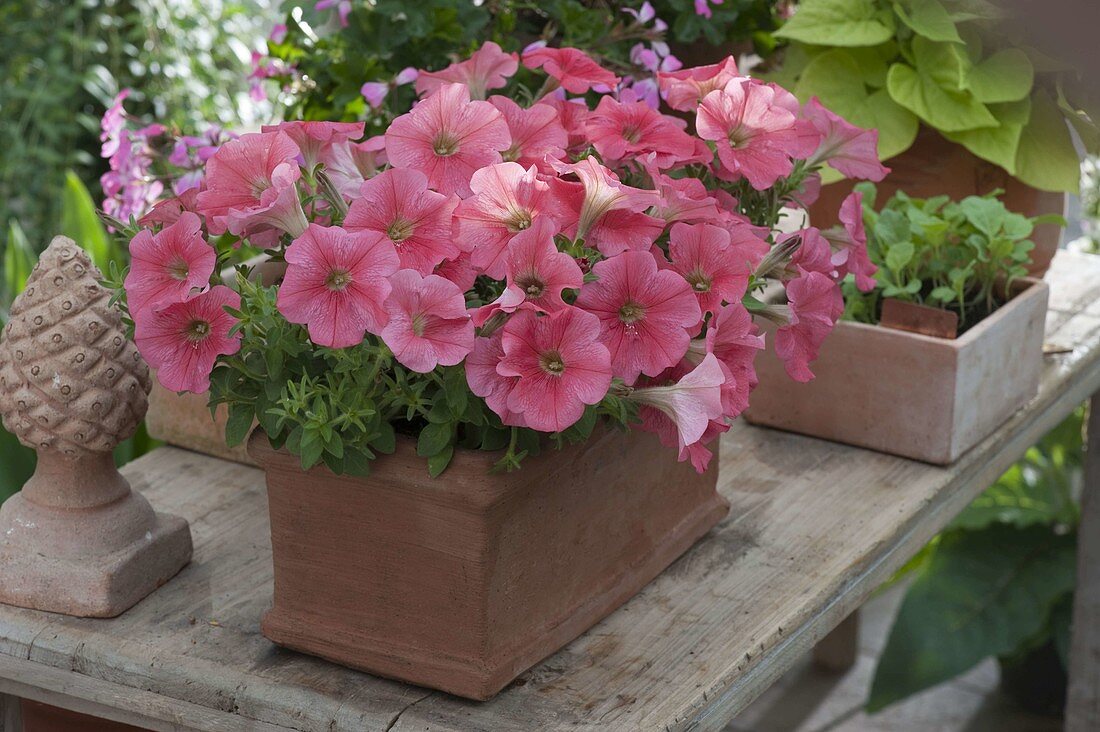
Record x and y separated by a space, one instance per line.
184 420
909 394
38 717
463 582
934 166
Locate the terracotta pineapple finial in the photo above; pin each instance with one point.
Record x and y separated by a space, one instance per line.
77 540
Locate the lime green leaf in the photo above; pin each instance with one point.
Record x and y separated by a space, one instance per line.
933 90
929 18
998 145
1006 76
19 258
834 77
839 23
80 223
1046 158
981 594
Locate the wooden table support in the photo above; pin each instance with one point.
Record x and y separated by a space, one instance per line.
837 652
1083 703
814 529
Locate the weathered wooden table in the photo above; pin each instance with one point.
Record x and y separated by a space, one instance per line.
814 529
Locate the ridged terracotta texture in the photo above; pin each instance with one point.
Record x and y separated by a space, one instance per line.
935 166
908 394
463 582
76 539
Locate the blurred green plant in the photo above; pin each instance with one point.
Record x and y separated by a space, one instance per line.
998 582
62 63
80 223
321 65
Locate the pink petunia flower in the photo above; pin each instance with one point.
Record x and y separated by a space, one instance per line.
312 138
684 89
538 269
166 266
251 187
756 138
343 9
610 214
574 70
702 254
509 301
485 382
375 92
628 128
814 254
506 200
398 204
336 284
681 199
349 164
572 116
645 313
702 7
851 150
429 325
169 210
815 305
458 270
851 256
536 133
182 340
735 340
691 403
488 67
448 137
559 365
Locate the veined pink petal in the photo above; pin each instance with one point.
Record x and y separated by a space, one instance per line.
167 266
428 325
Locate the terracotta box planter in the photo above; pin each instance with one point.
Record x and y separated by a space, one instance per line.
184 420
909 394
935 166
463 582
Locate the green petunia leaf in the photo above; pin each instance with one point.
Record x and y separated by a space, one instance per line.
839 23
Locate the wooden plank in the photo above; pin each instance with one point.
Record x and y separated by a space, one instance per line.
814 528
1083 703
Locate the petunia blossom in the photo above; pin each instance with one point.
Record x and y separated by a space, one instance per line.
428 325
536 133
626 129
691 403
336 284
350 164
487 383
559 365
251 187
702 254
538 269
574 70
398 204
313 138
448 137
851 255
815 305
684 89
506 200
458 270
572 115
610 214
182 340
756 138
487 68
851 150
735 340
167 266
645 313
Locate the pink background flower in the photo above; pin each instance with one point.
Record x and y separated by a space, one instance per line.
489 67
574 70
